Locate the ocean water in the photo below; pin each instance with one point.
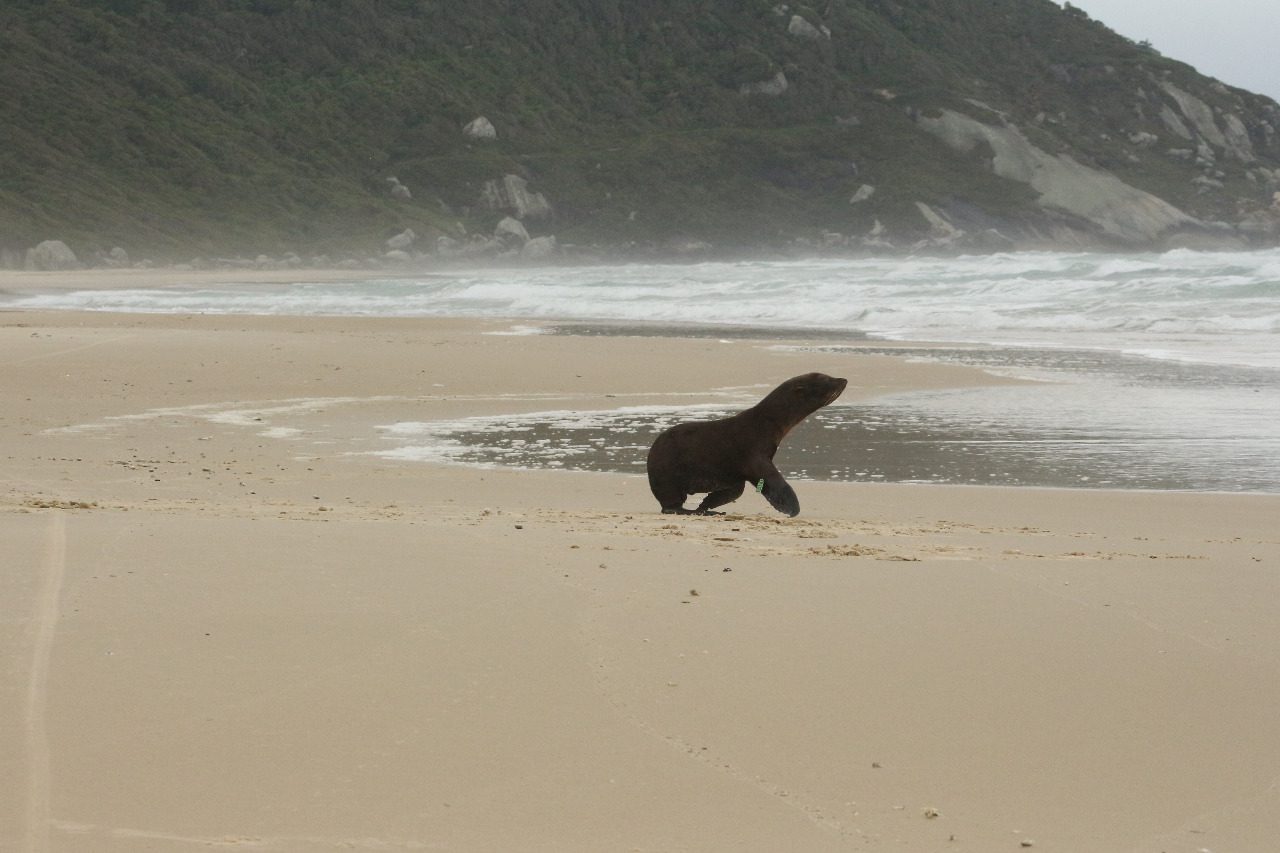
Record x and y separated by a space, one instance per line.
1155 370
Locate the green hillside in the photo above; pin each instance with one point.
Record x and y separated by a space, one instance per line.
206 126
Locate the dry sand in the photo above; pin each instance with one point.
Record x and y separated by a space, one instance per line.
220 629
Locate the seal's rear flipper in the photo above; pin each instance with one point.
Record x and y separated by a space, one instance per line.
779 493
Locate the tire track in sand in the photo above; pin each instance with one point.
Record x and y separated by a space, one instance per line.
44 621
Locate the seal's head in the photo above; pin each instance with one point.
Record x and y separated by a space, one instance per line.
801 396
809 392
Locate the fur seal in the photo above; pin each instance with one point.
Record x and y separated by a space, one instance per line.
721 457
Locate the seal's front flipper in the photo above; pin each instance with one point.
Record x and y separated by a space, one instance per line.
779 493
720 498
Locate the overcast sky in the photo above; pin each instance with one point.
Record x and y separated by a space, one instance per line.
1236 41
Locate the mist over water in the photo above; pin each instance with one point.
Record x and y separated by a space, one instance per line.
1157 370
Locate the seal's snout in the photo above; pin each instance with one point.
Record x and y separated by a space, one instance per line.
838 388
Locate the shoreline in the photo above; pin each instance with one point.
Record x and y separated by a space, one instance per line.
30 282
220 632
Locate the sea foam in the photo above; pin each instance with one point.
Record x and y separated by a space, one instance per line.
1216 307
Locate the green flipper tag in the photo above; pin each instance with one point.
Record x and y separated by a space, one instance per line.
760 486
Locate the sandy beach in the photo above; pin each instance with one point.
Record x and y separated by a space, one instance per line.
225 623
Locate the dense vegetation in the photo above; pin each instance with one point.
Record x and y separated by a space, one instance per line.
266 125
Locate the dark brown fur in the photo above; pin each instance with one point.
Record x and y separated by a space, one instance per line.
721 457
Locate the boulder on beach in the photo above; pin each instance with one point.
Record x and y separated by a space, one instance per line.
539 248
52 255
510 228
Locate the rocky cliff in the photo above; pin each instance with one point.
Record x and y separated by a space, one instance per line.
851 125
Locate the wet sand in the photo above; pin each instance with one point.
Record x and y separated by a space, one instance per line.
220 627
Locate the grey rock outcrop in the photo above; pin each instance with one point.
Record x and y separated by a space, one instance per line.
480 128
993 240
942 233
539 248
52 255
800 27
1175 124
402 241
512 193
877 237
399 190
1262 224
1237 136
1120 211
480 245
115 259
863 193
773 87
511 229
1200 115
